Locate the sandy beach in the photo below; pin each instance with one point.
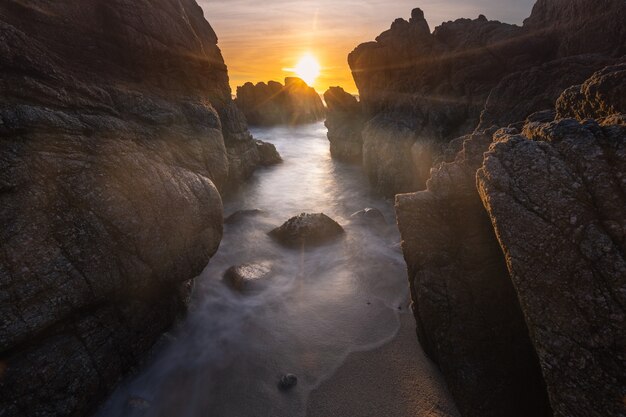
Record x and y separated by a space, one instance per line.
395 380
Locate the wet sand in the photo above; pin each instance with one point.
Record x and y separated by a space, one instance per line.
395 380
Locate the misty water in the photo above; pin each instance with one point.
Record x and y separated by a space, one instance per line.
226 357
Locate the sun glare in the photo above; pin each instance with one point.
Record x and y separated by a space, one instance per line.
308 69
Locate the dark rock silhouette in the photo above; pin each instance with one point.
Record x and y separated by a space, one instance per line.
468 317
118 129
307 230
274 104
427 88
344 121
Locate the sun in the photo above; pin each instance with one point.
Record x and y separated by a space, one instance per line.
308 69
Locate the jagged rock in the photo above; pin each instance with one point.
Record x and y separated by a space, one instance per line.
344 121
526 92
275 104
241 277
268 154
307 230
117 126
555 195
601 96
468 317
436 84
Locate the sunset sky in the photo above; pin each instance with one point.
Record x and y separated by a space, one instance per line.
261 39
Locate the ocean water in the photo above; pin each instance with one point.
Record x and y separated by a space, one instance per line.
318 305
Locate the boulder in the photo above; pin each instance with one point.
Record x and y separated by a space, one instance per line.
344 121
369 216
468 318
241 215
242 277
267 153
276 104
118 129
555 195
287 382
307 230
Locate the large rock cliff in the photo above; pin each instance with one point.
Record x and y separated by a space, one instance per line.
117 130
428 88
276 104
555 195
468 316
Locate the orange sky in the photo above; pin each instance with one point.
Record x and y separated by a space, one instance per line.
260 38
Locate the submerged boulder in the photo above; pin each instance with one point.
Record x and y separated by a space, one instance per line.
241 215
307 230
369 216
241 277
276 104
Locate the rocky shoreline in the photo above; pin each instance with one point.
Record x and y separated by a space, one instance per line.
118 134
504 146
514 139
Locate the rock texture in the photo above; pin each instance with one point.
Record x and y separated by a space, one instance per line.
344 121
243 277
468 317
307 230
276 104
556 197
428 88
117 129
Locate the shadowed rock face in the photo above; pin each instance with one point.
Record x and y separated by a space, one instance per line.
344 121
116 128
555 194
468 317
437 84
274 104
556 197
600 97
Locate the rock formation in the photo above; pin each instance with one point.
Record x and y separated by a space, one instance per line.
274 104
555 195
243 277
423 88
117 131
307 230
344 121
468 317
